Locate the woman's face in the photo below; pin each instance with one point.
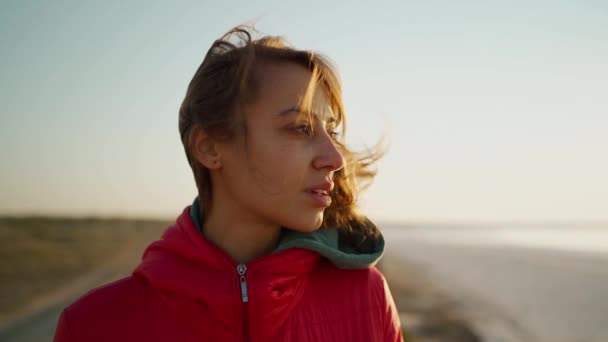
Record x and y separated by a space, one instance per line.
281 170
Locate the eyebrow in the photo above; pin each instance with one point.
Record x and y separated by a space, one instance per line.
289 111
295 110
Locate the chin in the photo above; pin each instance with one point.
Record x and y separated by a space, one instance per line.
306 224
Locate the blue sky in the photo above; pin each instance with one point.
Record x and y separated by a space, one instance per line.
494 112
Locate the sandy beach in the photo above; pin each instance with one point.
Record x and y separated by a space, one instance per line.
514 293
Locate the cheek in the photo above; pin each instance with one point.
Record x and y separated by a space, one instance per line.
279 167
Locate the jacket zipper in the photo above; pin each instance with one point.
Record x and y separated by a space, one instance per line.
241 269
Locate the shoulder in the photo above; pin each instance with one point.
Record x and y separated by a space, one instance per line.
366 285
365 295
111 296
113 305
369 278
349 302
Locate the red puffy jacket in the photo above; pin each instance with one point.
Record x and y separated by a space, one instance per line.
187 289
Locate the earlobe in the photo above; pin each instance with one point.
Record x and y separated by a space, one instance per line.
205 150
215 164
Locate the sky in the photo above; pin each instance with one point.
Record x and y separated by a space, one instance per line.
494 110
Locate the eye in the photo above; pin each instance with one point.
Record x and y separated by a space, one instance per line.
333 133
303 129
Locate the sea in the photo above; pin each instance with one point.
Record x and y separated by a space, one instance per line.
573 237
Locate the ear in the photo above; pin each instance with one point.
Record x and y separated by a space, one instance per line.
204 149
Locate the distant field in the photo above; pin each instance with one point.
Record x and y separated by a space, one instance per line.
39 256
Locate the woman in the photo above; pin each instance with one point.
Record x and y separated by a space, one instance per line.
272 248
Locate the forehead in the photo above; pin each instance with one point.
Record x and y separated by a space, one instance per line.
286 85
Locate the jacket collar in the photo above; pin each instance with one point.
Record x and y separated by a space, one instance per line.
325 241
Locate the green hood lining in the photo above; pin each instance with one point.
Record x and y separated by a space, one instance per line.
331 243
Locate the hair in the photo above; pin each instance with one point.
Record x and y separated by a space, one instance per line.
227 80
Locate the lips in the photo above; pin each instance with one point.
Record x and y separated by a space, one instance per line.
319 194
322 188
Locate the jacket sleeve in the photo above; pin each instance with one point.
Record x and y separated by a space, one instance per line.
63 333
391 322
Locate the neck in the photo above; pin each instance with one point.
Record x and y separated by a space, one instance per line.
241 235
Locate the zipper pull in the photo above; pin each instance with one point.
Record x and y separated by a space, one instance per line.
241 269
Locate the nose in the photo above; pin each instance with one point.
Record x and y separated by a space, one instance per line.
328 155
